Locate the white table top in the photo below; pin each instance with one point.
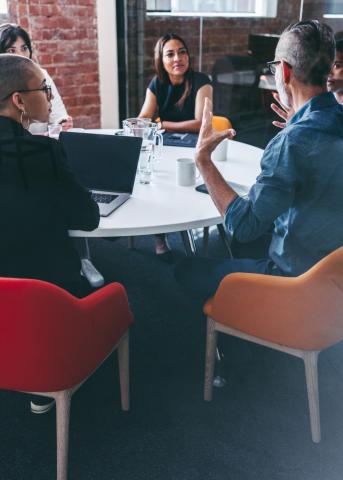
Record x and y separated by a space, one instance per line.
163 206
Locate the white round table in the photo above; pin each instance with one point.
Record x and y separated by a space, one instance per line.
163 206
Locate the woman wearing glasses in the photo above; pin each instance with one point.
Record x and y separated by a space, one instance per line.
39 198
14 39
175 95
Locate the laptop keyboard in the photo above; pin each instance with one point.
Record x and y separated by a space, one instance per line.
103 197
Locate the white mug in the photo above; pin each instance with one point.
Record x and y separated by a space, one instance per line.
220 152
185 172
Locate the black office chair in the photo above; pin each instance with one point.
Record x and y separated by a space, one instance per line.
235 87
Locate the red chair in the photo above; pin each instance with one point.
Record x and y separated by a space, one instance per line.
51 342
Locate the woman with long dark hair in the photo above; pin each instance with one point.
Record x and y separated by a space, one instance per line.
14 39
176 94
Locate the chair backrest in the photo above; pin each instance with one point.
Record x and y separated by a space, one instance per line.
301 312
51 340
235 86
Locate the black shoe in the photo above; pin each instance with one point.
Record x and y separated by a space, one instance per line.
167 257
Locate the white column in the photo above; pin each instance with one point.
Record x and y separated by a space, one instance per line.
108 63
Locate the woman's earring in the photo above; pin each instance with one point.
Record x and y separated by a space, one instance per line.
22 120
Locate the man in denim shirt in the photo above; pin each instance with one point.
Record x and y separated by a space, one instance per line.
299 189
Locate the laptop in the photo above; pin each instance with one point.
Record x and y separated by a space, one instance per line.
105 164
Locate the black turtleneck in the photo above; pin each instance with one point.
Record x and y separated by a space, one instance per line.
40 200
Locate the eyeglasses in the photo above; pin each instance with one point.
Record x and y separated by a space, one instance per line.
272 66
46 89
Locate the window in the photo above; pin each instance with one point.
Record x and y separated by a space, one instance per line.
3 6
211 8
333 9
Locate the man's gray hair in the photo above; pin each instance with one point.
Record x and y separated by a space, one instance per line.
309 48
15 73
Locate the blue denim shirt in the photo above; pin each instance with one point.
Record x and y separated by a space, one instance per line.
300 189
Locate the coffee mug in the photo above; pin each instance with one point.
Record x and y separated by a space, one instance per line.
219 153
185 172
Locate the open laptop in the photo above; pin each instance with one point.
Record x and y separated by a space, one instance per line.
105 164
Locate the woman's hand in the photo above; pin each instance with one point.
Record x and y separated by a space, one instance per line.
208 137
283 112
66 124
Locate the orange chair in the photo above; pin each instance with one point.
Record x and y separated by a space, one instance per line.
51 342
221 123
218 123
300 316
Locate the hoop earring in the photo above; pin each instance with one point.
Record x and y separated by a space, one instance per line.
22 120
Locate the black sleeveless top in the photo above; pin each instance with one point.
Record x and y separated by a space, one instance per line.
167 95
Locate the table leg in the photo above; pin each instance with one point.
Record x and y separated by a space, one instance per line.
205 240
189 242
225 238
131 243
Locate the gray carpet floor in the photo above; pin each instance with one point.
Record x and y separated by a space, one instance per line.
257 427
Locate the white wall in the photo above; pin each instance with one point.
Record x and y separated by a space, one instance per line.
108 63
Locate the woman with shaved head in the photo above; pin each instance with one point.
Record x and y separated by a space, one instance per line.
39 198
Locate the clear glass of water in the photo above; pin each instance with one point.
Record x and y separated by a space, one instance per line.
145 162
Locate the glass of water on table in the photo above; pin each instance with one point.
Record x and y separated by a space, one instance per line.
151 145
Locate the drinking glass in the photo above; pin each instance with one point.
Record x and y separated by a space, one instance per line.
151 145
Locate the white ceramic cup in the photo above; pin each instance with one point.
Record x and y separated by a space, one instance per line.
185 172
220 152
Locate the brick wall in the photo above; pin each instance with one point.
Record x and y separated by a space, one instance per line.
64 36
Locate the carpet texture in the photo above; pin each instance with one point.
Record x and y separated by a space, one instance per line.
257 427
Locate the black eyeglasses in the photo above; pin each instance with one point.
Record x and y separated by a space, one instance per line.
46 89
272 66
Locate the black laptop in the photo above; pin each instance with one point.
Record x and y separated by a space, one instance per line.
105 164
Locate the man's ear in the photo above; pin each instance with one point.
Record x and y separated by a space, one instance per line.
286 72
18 102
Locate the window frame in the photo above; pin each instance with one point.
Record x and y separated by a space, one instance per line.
264 8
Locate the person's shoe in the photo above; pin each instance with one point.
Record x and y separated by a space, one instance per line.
41 405
167 257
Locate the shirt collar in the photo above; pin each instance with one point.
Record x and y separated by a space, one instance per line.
315 103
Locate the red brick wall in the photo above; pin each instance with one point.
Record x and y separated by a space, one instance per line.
64 36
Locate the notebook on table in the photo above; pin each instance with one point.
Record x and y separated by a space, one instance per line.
105 164
180 139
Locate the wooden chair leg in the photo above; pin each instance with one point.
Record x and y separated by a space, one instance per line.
311 372
63 400
123 361
211 345
205 240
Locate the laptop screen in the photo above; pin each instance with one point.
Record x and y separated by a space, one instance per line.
102 162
